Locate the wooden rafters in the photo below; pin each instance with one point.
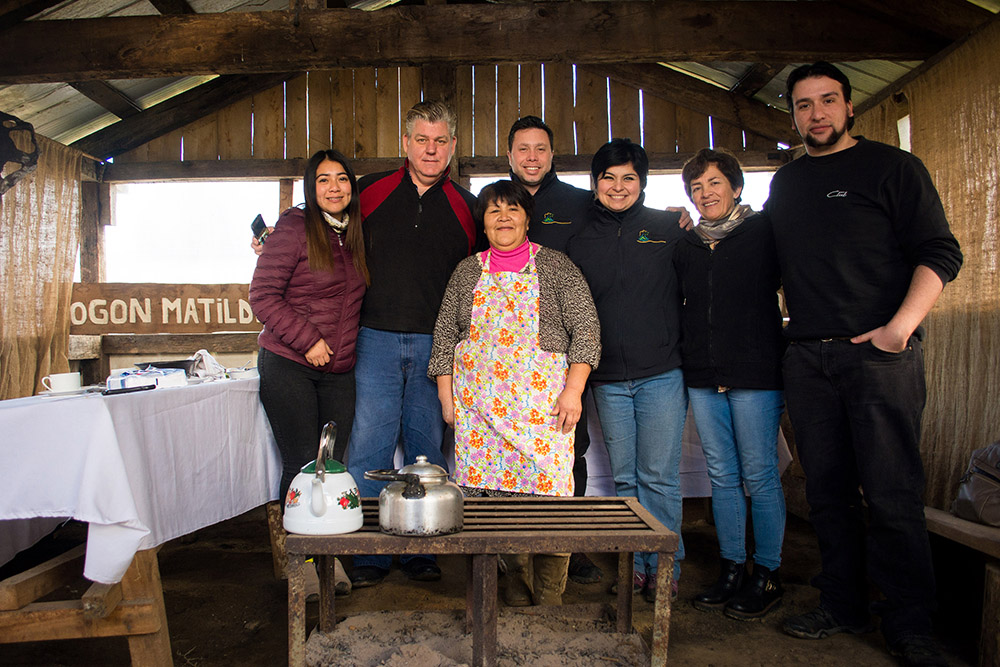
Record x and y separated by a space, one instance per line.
232 43
701 97
15 11
176 112
952 19
109 97
755 78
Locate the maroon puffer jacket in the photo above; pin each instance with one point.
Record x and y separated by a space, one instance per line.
299 306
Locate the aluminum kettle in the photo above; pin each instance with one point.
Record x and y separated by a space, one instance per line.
420 500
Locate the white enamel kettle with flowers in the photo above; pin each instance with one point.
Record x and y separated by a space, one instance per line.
323 498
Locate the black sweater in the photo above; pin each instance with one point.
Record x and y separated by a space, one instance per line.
730 319
413 243
850 229
627 261
560 211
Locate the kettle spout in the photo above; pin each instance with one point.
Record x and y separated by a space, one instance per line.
318 499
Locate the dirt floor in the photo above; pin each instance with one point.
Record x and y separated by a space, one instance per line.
225 608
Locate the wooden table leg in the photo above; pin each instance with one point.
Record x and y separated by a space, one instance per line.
661 610
484 629
142 581
625 561
296 610
470 595
327 593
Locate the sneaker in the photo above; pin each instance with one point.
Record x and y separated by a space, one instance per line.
918 651
363 576
421 569
649 593
820 623
638 583
583 571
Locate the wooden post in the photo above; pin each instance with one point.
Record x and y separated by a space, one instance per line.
484 629
661 612
276 532
625 561
296 611
989 640
142 582
285 187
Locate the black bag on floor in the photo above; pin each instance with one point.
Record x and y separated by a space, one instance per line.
979 491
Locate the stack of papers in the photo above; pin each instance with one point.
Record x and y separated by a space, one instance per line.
156 377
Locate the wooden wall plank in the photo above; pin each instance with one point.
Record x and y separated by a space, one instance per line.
590 112
387 111
410 80
201 139
235 127
463 109
365 139
166 148
319 111
531 91
269 124
341 99
507 104
558 96
484 113
692 130
755 142
727 136
296 130
660 125
625 111
139 154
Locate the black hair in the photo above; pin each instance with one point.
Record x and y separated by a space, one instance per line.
317 236
818 68
507 192
617 152
529 123
725 161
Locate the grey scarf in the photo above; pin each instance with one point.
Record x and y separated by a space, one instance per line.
711 231
338 225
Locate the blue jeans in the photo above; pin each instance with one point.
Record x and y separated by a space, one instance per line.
394 398
856 412
643 423
739 435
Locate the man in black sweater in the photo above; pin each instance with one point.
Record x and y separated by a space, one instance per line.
865 250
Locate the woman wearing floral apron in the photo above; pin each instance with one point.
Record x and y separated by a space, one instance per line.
515 340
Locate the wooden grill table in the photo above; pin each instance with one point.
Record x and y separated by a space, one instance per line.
497 526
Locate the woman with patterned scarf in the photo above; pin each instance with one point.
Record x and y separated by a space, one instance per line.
731 350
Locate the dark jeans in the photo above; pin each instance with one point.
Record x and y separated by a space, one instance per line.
299 401
856 415
581 443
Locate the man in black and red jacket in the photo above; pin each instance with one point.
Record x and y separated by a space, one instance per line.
418 226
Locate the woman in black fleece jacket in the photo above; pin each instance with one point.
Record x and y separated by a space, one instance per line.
625 253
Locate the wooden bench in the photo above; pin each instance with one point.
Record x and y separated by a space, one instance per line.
133 608
497 526
985 539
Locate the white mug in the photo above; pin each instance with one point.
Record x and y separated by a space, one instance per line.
58 382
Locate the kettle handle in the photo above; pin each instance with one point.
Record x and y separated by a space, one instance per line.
326 440
414 489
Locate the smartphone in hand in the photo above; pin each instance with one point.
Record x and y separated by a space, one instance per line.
259 228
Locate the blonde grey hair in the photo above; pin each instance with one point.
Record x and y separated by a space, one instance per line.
430 111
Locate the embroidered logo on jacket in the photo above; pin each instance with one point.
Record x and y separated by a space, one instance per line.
644 237
836 193
549 219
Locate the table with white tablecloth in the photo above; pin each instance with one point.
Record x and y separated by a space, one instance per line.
139 468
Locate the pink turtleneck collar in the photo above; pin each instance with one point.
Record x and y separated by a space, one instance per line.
510 260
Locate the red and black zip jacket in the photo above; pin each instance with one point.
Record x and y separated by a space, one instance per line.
413 244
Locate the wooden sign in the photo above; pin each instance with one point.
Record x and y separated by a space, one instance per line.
100 308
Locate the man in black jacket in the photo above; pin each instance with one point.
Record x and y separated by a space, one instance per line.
865 250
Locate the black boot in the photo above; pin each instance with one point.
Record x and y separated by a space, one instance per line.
730 579
760 594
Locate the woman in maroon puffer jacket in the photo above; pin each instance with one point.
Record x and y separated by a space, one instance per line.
307 290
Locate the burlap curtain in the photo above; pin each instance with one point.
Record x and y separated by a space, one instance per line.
39 223
954 113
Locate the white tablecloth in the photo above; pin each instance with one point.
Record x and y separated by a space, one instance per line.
140 468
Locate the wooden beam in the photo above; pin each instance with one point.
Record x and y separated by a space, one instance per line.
21 589
242 42
702 97
951 19
658 162
13 12
108 97
755 78
174 113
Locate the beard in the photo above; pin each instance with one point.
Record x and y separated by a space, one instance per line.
835 134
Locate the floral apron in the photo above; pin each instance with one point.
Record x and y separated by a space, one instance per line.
505 387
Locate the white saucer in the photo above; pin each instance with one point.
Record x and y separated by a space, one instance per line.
72 392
